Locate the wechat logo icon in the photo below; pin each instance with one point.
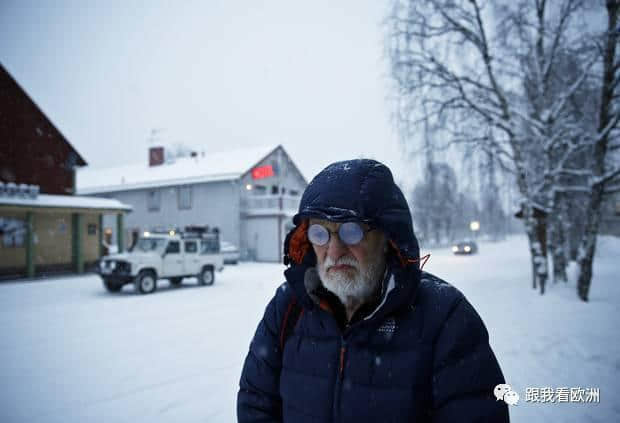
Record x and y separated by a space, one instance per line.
504 392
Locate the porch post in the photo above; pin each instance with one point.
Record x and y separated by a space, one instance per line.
30 247
100 235
120 232
78 254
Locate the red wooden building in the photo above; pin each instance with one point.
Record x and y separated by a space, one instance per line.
33 150
44 228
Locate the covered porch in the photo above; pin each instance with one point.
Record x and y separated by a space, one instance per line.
48 234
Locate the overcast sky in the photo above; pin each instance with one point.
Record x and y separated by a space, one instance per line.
213 74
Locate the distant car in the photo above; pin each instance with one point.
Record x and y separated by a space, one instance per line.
465 247
230 252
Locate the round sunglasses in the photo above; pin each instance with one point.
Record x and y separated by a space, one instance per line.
350 233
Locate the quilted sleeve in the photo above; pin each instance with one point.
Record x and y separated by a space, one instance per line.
465 370
258 399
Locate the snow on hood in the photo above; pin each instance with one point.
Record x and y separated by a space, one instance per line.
132 256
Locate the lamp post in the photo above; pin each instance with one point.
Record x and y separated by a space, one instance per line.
474 226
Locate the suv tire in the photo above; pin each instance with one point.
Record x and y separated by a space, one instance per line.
175 281
145 282
111 286
206 276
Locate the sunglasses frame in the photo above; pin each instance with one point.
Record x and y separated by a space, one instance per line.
329 233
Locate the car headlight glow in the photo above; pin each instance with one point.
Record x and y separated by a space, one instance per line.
455 249
467 248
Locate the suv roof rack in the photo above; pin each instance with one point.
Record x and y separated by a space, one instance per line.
201 229
190 231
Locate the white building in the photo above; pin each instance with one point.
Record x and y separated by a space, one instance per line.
250 194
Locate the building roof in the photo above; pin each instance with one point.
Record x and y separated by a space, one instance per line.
65 202
15 101
217 166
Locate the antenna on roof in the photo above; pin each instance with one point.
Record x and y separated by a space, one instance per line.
153 136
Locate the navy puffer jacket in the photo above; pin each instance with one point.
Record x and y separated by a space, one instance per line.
419 354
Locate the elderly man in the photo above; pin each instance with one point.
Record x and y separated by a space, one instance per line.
358 333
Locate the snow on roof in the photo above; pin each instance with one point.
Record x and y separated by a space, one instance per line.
217 166
65 201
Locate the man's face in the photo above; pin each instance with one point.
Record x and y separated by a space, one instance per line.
352 272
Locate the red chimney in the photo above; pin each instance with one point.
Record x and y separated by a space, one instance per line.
156 156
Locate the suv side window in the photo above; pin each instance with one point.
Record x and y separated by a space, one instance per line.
210 245
174 247
191 247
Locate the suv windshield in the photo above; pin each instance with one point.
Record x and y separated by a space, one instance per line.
150 244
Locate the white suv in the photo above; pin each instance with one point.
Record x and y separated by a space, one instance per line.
163 256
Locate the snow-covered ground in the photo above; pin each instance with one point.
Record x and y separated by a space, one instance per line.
71 352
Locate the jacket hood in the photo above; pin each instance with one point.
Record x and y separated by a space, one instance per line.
360 190
357 190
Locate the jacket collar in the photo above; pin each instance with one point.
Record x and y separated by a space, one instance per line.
398 290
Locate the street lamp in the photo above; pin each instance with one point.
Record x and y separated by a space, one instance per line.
474 226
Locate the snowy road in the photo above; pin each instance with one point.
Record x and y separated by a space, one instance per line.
71 352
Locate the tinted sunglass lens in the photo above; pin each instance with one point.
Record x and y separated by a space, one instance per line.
350 233
318 235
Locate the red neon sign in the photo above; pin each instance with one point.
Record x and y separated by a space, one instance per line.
262 172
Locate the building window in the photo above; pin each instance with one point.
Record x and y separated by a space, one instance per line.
259 190
13 232
293 192
153 200
185 197
274 189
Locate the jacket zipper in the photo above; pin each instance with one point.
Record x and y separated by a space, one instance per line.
339 377
343 350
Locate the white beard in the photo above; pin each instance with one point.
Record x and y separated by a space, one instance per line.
356 289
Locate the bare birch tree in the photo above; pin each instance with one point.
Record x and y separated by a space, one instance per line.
495 78
605 140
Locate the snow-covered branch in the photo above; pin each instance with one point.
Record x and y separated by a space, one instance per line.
608 176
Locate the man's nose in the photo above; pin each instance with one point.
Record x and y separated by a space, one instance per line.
336 248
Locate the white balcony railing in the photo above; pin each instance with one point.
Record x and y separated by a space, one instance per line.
270 202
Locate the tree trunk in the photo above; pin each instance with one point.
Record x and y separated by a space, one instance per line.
585 257
540 249
532 241
556 244
606 114
536 234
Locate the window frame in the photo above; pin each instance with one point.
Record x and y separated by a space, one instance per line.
195 243
153 202
178 243
180 204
